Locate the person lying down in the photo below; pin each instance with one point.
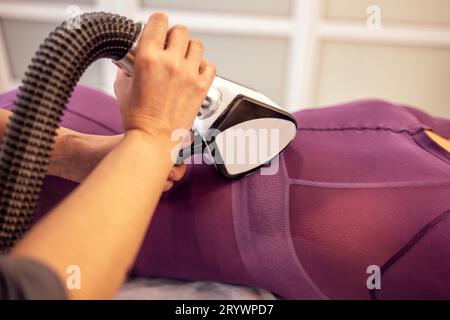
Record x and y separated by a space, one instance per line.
365 186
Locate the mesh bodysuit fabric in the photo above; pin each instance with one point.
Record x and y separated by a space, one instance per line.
361 185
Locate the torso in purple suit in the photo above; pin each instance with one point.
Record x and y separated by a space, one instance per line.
361 185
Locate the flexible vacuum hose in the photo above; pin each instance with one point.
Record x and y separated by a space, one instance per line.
46 88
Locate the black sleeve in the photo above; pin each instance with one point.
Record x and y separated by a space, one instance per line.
28 279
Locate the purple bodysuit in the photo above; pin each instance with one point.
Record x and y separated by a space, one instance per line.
361 185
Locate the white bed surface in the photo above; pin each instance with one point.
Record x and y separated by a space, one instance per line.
170 289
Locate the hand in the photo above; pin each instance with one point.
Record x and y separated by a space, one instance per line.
170 82
76 155
176 174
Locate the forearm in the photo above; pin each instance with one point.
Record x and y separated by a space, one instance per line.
100 226
4 117
74 154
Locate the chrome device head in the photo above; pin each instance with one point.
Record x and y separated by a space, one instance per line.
240 128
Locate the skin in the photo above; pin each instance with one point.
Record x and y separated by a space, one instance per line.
75 154
444 143
114 205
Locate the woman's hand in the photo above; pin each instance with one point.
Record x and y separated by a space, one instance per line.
183 75
169 84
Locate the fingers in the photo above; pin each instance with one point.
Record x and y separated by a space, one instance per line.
121 74
195 53
207 72
122 78
177 172
175 41
168 186
122 82
178 40
155 32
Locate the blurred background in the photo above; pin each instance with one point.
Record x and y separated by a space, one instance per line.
301 53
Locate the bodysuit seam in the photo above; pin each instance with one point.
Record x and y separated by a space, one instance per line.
418 236
412 133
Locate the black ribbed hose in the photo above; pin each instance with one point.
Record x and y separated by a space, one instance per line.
46 88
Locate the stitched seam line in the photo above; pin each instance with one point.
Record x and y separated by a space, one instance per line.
422 232
362 129
10 106
92 120
367 185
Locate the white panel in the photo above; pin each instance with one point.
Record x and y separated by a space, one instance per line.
280 7
252 61
22 38
68 2
416 76
431 11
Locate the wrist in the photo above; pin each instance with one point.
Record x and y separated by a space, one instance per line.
68 144
76 154
155 140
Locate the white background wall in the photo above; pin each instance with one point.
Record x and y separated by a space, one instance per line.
301 53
